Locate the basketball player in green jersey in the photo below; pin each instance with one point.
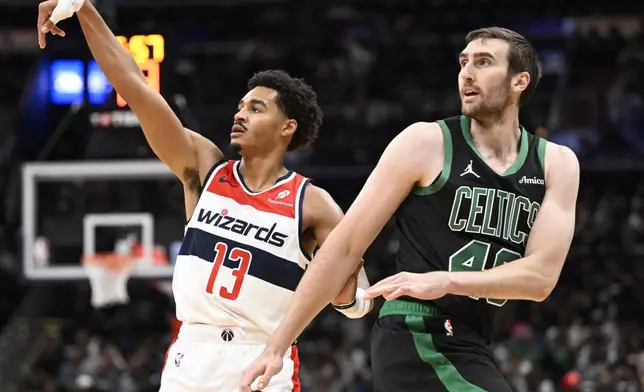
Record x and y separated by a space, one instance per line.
486 214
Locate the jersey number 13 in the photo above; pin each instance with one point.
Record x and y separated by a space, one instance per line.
242 256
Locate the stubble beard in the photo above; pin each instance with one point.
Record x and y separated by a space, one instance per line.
490 105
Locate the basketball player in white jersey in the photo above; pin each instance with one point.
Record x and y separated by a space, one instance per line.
252 225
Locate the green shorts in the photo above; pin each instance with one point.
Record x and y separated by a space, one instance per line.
415 348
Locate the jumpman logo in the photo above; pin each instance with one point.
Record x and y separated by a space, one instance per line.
468 170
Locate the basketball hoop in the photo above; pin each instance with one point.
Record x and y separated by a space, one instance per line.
108 275
109 272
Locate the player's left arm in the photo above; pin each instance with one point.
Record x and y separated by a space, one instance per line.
534 276
413 158
323 214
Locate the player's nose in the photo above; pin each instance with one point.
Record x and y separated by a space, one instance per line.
241 116
466 74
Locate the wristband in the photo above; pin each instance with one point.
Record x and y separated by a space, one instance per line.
356 308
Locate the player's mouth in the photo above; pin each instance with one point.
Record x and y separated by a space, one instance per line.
470 94
237 130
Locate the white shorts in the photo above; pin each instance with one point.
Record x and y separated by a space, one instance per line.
209 359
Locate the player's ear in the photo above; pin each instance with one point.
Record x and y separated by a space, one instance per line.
521 81
289 127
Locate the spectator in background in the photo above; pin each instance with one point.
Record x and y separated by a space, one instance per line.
626 102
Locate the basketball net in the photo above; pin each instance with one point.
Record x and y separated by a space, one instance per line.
109 272
108 275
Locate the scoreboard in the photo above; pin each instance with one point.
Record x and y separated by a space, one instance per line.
75 81
149 53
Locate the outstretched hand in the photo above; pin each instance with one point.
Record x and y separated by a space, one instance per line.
427 286
51 12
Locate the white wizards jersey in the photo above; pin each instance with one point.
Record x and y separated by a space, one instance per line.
241 260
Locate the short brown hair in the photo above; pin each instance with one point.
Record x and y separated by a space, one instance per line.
522 56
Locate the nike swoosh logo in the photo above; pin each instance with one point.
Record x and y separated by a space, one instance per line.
224 179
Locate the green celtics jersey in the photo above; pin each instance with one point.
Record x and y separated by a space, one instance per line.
471 218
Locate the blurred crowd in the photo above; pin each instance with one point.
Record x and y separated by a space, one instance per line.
587 336
375 72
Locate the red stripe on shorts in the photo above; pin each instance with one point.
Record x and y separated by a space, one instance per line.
297 387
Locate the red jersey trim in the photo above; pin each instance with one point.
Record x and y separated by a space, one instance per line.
281 199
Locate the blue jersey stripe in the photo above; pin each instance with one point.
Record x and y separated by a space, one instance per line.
264 265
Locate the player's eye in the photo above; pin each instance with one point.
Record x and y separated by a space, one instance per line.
255 109
463 63
485 62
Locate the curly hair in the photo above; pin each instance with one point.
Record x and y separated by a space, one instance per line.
296 100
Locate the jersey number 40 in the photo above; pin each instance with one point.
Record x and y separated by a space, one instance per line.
242 256
473 257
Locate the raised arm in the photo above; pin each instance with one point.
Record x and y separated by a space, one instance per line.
185 152
413 158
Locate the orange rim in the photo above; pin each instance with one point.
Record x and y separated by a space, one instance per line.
116 262
112 261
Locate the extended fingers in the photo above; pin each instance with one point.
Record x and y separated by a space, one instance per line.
42 18
393 278
383 290
398 292
385 286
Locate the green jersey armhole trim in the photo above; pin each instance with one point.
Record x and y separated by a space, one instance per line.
442 178
542 153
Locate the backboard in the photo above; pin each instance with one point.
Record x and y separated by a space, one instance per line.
78 209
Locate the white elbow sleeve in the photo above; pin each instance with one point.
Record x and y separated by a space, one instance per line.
356 308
